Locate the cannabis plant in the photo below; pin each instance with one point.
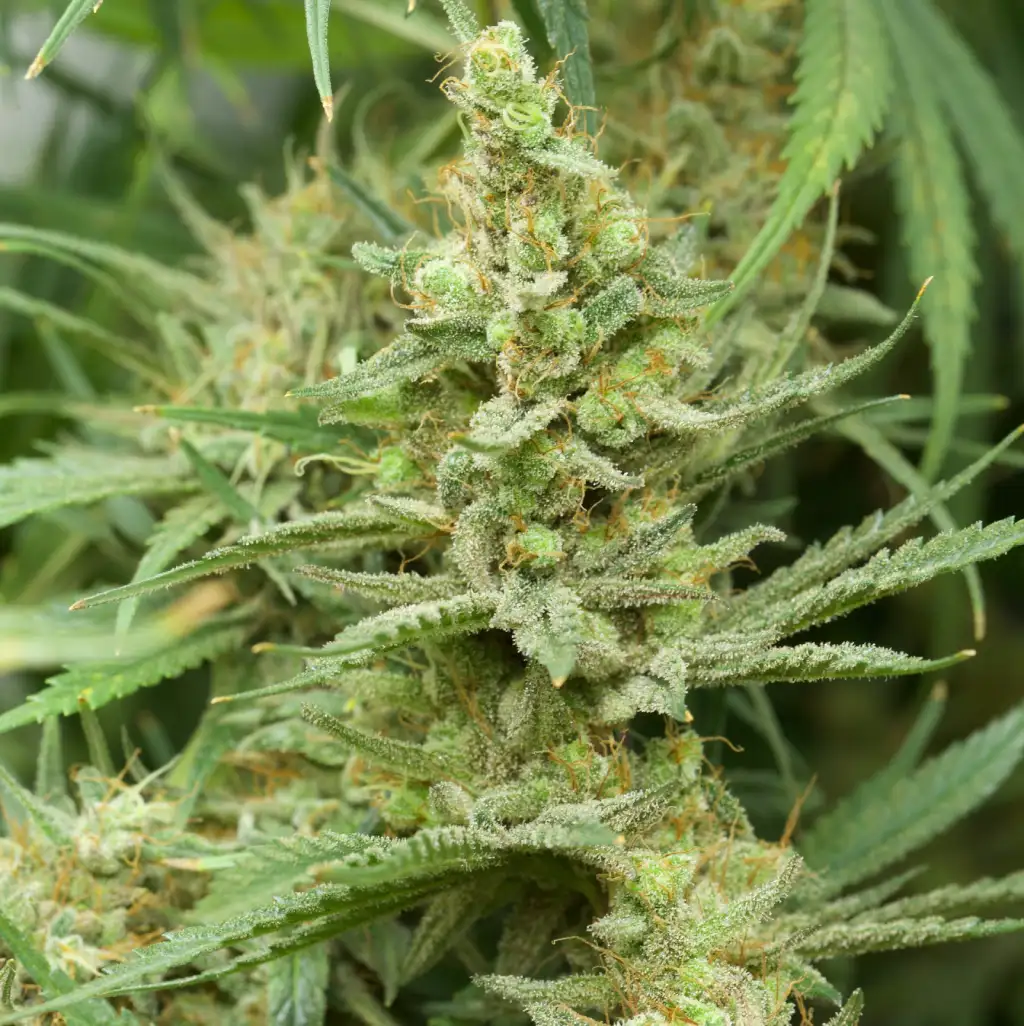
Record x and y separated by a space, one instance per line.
213 447
494 802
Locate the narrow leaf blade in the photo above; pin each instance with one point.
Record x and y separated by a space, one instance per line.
877 826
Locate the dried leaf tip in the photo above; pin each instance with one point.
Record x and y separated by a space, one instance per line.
328 105
36 67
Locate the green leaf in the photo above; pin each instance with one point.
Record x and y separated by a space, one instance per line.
779 442
96 745
382 948
937 228
318 14
588 990
527 930
26 243
848 939
297 988
644 547
533 23
754 706
433 853
890 573
389 588
255 874
78 476
422 29
811 984
355 994
268 34
464 22
877 826
668 292
181 526
98 684
349 531
844 81
841 304
213 737
445 921
1002 891
397 756
219 487
917 437
815 661
598 470
756 905
850 1013
155 279
991 136
299 938
74 14
794 335
503 424
921 408
627 592
566 24
774 396
299 429
405 359
411 512
8 977
890 459
851 545
406 625
44 637
51 776
390 225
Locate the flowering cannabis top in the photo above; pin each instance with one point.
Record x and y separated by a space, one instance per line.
547 418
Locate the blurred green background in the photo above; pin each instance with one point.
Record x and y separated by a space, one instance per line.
221 90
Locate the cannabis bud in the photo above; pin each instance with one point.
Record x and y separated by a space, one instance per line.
548 419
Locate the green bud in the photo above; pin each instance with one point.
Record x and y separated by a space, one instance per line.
611 417
561 329
395 468
540 545
502 328
449 284
619 245
455 473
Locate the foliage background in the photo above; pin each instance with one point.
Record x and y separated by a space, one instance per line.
221 88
